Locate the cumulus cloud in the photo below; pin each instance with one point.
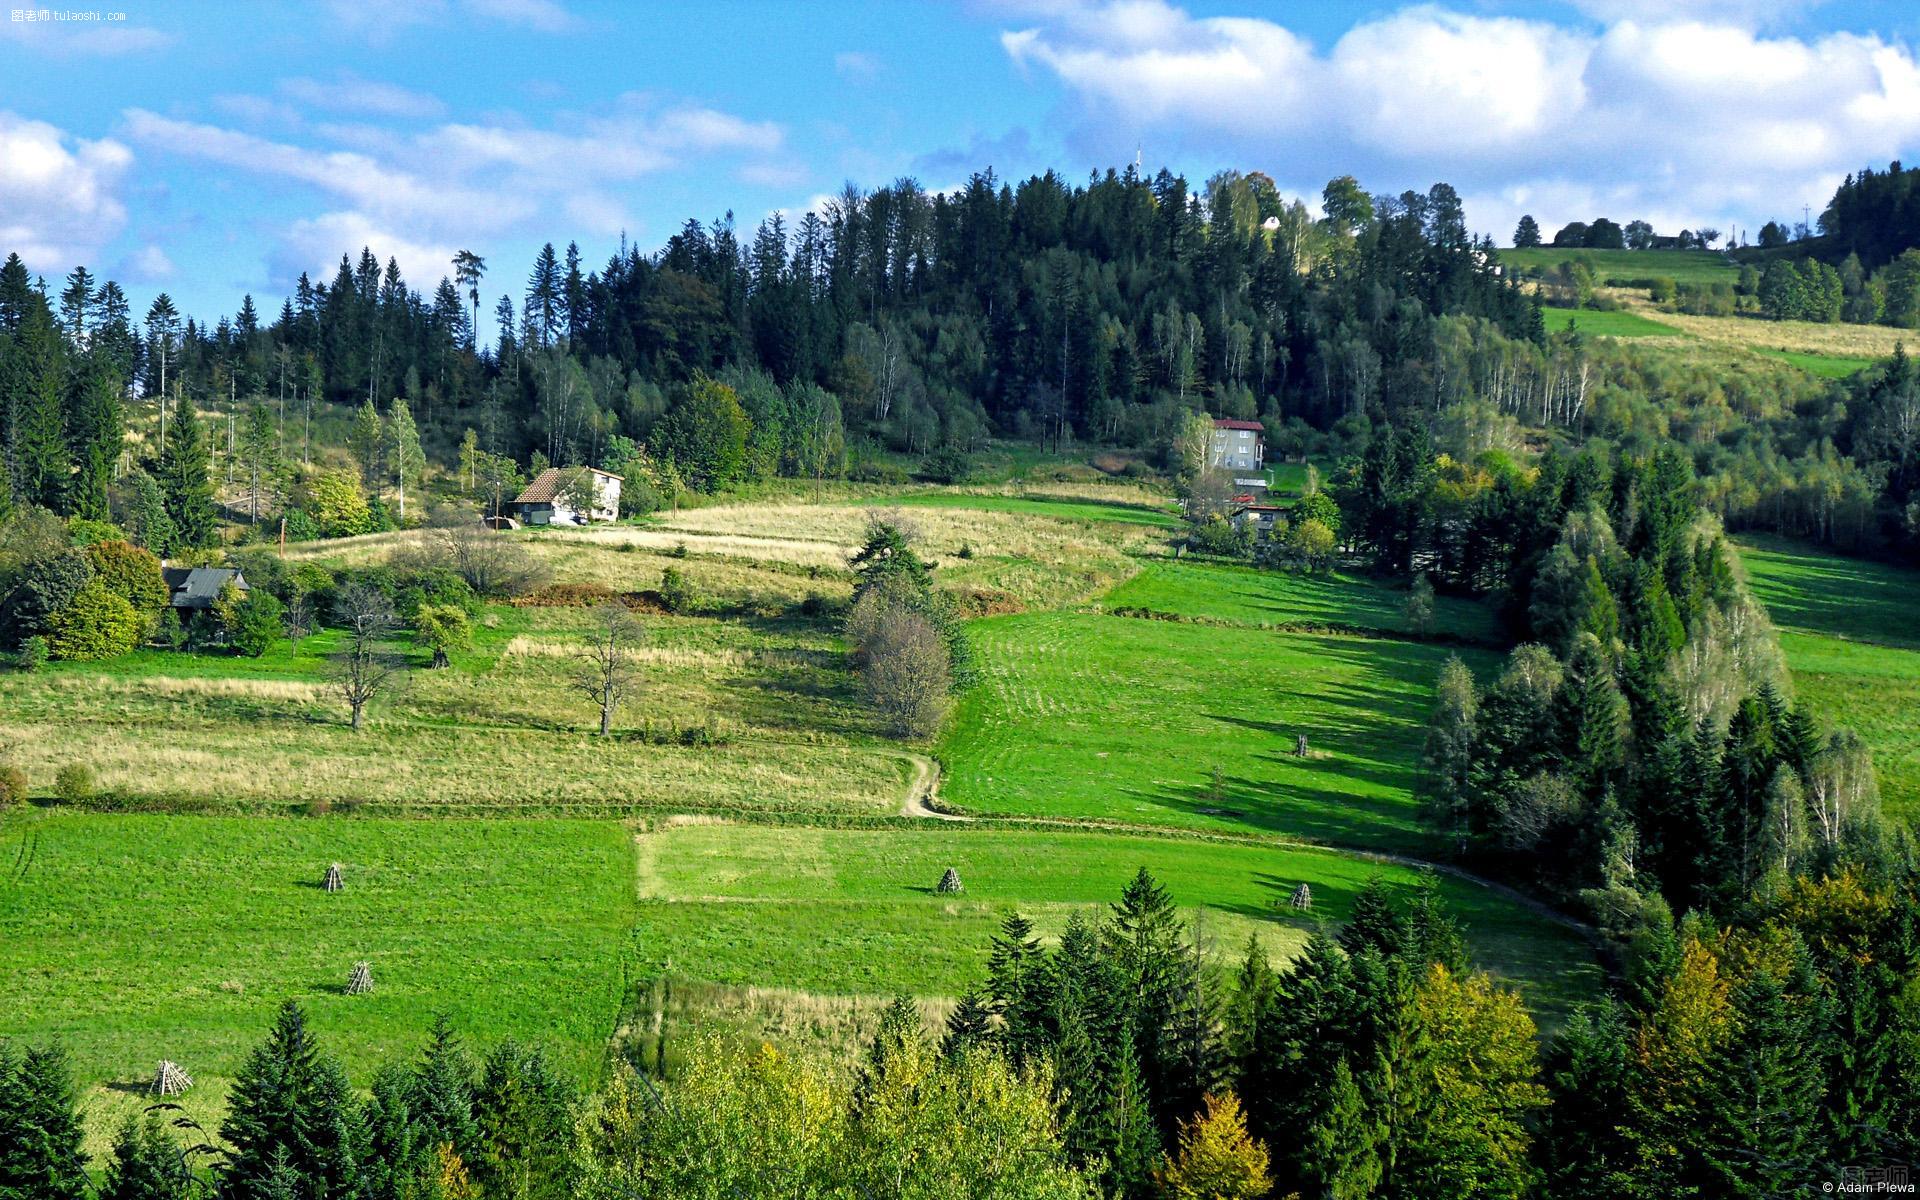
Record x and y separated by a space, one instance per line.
1699 117
149 264
424 191
59 195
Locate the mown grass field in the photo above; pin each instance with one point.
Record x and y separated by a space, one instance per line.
1681 266
1830 366
1851 633
1112 718
1259 598
134 938
838 911
1616 323
1059 508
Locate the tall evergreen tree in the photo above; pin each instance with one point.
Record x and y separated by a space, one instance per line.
185 475
41 1157
146 1165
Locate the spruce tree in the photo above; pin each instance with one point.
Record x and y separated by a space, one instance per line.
400 1154
1015 988
146 1165
1587 1143
524 1110
34 383
1157 974
1373 922
97 428
1128 1134
40 1133
969 1024
442 1101
366 440
186 478
291 1113
1764 1089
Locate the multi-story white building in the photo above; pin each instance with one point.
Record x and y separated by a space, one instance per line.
1238 446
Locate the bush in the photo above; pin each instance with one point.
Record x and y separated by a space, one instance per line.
945 465
95 624
32 654
252 624
131 573
13 786
87 533
676 590
908 674
75 784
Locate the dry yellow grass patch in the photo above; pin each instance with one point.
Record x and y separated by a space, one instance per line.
1805 337
297 691
800 551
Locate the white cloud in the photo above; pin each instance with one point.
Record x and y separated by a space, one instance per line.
1703 119
149 264
856 66
85 39
453 184
545 16
315 245
59 195
350 93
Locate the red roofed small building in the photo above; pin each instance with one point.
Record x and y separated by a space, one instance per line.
568 496
1238 446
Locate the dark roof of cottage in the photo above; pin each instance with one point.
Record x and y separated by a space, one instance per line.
547 484
1227 423
199 587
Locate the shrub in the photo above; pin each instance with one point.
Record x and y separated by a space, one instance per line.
87 533
946 465
445 628
252 624
907 673
131 573
13 786
677 591
75 783
32 655
95 624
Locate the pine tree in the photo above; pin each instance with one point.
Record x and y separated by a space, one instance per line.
40 1132
1373 922
291 1116
98 431
1015 988
1132 1143
970 1024
442 1100
365 441
186 478
33 383
146 1164
1762 1132
1587 1139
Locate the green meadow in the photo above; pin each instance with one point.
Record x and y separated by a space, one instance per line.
1248 596
730 904
134 938
1085 716
1061 508
1830 366
1614 266
1617 323
1851 633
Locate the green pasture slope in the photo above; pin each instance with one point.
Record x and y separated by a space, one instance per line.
1258 598
1618 266
134 938
1851 632
1086 715
730 904
1615 324
1058 508
1830 366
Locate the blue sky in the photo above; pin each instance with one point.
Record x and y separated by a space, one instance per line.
211 149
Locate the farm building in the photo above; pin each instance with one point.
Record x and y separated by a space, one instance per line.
1258 517
198 587
568 496
1238 445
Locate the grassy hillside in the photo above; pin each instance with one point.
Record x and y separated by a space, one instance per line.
1615 266
1616 323
732 904
137 938
1851 632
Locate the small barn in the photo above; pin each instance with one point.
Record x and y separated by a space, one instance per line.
568 496
196 588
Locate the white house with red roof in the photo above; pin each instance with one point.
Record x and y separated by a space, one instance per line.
1238 446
